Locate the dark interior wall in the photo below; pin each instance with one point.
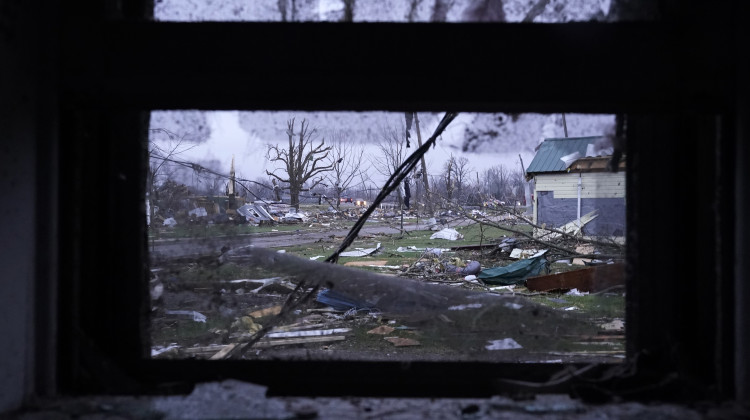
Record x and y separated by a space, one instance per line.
738 154
700 310
27 128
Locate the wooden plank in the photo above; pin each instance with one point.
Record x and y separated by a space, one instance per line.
205 349
308 333
366 263
296 327
274 310
590 279
473 247
221 354
303 340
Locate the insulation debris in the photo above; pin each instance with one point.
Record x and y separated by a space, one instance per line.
447 233
504 344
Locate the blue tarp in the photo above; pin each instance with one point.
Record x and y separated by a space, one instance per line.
342 302
516 272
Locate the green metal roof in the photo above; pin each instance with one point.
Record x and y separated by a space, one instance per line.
547 159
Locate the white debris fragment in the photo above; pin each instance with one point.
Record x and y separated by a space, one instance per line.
195 316
575 292
512 305
462 307
569 159
519 253
509 287
155 351
447 233
198 212
359 252
317 257
295 217
313 333
615 325
504 344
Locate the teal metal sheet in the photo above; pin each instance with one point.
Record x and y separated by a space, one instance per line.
547 159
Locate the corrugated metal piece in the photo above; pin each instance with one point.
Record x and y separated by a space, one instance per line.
591 279
547 159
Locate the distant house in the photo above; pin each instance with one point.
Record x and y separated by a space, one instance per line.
570 180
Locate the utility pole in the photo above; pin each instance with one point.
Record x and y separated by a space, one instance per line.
424 168
565 126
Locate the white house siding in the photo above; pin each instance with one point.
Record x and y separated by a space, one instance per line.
604 191
593 185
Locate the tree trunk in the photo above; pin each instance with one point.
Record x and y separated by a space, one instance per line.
294 193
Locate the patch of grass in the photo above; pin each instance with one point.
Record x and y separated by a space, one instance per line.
192 276
475 233
592 306
168 331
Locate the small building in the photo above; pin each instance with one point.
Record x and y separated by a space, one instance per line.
571 180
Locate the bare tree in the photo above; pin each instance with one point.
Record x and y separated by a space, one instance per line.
412 14
163 147
346 159
349 6
496 182
461 170
516 182
536 10
391 147
440 10
423 173
211 184
448 175
366 186
484 11
288 11
260 188
303 160
455 178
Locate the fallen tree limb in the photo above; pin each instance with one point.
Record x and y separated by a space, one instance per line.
388 293
566 251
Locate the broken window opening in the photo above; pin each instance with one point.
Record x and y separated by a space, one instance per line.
484 262
407 11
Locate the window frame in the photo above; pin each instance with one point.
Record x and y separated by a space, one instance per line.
113 71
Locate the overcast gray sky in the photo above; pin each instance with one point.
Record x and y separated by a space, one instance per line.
245 135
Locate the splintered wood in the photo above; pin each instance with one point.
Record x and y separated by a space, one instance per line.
381 330
402 342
